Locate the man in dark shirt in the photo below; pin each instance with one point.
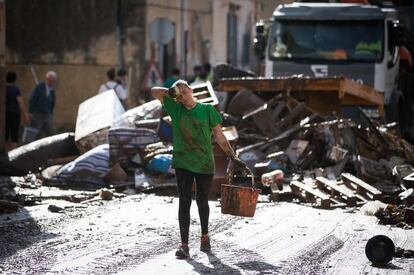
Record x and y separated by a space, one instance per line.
42 104
14 110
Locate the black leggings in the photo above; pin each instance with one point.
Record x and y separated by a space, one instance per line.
185 181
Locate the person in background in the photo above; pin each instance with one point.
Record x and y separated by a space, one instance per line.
202 78
15 110
207 69
175 75
42 103
123 81
196 70
193 123
112 84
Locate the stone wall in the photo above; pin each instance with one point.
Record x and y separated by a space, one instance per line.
78 40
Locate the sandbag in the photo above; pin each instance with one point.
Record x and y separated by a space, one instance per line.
33 156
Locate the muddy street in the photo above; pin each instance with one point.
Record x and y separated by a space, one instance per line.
138 234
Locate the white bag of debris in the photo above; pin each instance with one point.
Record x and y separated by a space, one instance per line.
91 167
372 207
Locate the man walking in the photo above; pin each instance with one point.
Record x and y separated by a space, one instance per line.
193 123
42 103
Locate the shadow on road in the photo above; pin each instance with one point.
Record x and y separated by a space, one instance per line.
218 266
386 266
18 231
221 268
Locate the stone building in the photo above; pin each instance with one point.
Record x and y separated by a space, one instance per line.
81 39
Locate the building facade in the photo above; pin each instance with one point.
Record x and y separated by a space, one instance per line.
81 39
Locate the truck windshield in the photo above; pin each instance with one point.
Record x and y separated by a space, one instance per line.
328 40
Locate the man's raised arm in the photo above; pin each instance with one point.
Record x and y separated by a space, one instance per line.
159 93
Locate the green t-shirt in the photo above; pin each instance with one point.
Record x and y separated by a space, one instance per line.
192 144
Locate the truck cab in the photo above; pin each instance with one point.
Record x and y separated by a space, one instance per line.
327 39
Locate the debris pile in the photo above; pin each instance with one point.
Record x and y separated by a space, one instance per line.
295 146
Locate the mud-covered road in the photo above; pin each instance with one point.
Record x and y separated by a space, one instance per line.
138 235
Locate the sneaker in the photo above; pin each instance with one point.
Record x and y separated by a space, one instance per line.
205 243
182 252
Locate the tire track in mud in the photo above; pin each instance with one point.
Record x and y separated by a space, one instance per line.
311 260
91 256
134 257
90 253
118 257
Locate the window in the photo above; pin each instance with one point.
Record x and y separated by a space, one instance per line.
327 40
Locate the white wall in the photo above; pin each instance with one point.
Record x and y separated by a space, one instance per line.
245 20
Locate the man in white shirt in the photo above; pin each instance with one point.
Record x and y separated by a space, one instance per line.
112 84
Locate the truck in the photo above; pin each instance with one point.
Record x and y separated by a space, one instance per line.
365 43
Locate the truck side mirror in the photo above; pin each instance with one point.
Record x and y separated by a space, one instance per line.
259 46
259 42
398 33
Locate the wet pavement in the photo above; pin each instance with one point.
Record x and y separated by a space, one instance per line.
138 234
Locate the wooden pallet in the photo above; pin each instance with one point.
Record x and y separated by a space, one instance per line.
350 191
336 191
361 187
311 194
204 93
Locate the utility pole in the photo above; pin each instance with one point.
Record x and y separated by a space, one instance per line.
120 35
2 74
183 41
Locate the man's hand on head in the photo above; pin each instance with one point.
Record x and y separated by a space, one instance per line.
159 93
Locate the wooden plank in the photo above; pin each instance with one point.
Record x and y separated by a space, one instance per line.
283 135
362 186
288 119
335 189
362 91
277 111
361 198
281 195
311 193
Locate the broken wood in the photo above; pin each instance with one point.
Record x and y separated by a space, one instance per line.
283 135
361 186
336 190
310 194
297 110
382 141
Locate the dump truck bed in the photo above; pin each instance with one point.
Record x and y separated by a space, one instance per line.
323 95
